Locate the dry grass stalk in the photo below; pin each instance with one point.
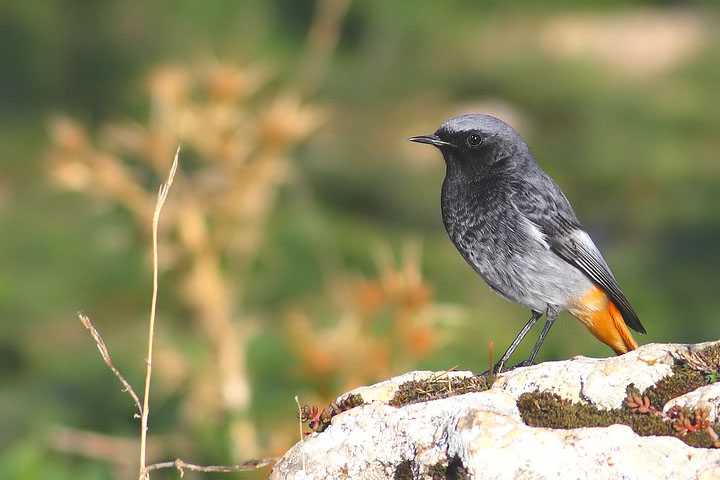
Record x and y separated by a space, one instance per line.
300 428
181 465
212 231
162 196
108 361
104 446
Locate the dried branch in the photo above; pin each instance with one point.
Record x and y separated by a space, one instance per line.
118 450
162 196
106 357
181 466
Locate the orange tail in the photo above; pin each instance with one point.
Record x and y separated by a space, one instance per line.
603 319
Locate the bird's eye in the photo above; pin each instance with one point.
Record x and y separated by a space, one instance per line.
474 140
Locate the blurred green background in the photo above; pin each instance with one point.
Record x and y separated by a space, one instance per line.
618 100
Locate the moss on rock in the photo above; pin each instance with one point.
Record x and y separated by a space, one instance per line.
545 409
436 388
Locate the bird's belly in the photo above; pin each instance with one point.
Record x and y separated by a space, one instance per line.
532 276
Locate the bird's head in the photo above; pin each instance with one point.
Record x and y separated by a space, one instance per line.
476 143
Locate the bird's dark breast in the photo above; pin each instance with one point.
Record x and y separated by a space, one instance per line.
484 227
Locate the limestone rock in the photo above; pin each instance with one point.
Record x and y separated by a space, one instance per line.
707 397
482 435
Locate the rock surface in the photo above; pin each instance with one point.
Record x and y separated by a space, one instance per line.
481 435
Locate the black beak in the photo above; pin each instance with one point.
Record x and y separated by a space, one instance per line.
431 140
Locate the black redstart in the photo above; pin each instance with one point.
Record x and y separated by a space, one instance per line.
517 230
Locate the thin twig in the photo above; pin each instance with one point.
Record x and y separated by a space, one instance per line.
297 401
300 422
162 196
181 466
106 357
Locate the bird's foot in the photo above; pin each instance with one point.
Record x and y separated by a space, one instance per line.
498 368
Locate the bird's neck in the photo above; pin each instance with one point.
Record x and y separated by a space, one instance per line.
461 190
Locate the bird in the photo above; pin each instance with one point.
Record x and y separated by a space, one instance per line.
516 228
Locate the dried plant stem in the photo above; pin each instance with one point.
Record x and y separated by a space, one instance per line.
162 196
181 466
300 426
106 357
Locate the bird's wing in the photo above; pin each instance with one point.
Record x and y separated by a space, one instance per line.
550 211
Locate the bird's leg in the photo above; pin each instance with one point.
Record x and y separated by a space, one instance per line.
550 316
506 356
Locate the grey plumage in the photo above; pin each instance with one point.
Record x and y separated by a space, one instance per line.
512 223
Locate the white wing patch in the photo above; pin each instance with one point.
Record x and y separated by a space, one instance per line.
584 239
535 233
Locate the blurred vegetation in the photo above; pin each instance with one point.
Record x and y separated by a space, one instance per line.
348 276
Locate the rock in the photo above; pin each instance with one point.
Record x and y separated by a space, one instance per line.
482 435
707 397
